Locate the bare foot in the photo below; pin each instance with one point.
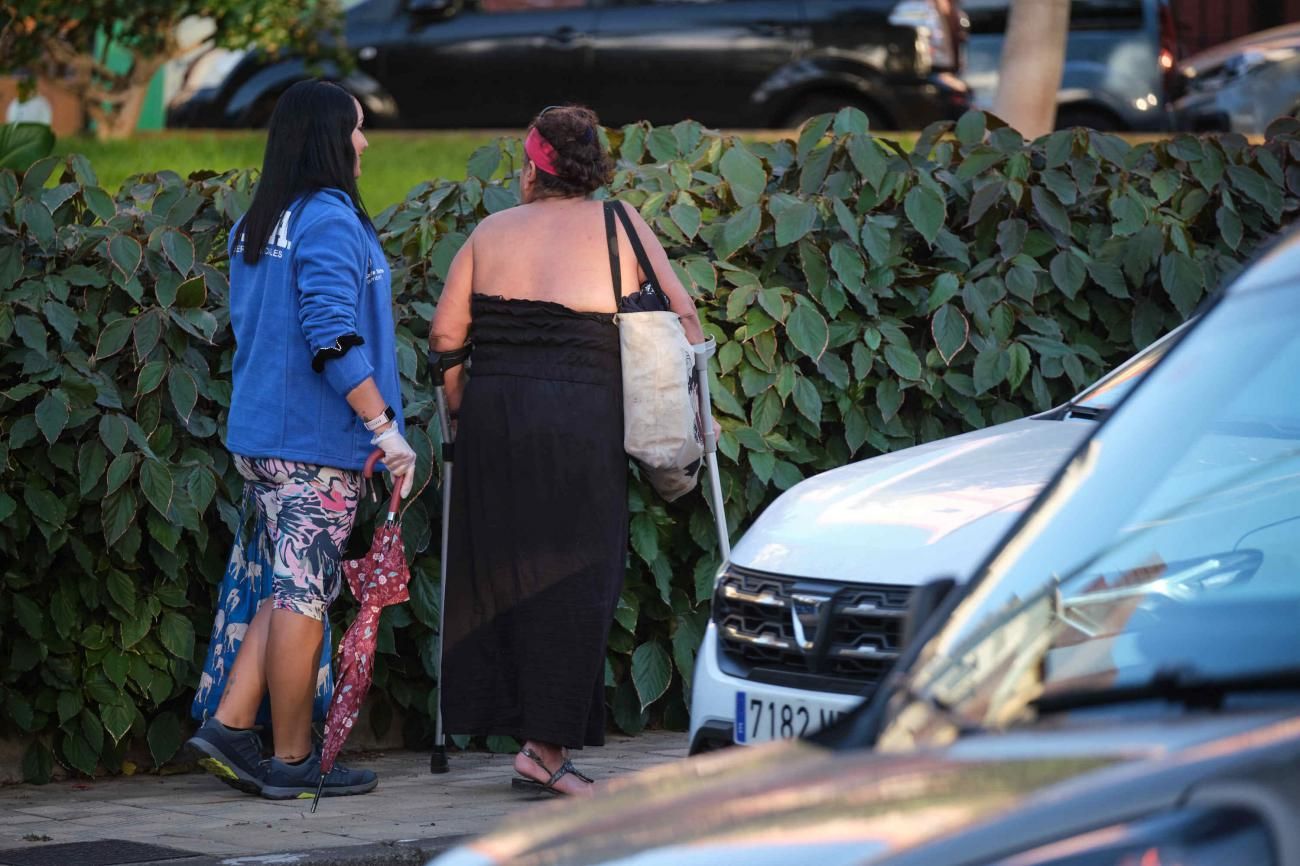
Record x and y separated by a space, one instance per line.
553 757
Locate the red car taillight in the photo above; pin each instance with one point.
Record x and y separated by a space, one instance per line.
1168 57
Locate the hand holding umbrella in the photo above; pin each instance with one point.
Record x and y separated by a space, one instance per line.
377 580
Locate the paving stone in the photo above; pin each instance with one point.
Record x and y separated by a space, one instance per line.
16 817
196 813
211 847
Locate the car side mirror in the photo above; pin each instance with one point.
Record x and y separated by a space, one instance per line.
434 8
925 600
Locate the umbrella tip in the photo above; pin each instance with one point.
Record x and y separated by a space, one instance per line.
320 786
438 760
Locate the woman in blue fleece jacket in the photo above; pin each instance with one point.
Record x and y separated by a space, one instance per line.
315 391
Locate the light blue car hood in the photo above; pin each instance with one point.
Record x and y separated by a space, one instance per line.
913 515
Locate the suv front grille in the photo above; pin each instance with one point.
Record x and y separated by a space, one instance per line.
816 634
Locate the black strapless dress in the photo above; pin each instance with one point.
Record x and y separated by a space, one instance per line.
538 536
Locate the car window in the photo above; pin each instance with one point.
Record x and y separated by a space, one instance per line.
1173 528
990 16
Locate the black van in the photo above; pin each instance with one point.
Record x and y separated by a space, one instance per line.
725 63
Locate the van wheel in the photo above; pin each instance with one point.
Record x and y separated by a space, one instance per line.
824 103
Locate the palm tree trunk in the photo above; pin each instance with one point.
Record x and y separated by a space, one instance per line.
1033 59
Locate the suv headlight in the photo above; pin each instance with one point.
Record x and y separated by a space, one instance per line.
1190 837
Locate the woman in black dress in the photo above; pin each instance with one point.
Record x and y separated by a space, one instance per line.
538 533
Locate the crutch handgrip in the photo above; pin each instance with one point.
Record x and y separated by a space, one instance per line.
704 351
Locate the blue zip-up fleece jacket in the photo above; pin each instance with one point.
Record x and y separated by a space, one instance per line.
322 276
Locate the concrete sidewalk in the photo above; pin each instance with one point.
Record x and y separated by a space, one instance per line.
198 821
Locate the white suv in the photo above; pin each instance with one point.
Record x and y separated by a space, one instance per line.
808 614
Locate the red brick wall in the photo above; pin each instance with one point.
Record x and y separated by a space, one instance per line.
1203 23
68 117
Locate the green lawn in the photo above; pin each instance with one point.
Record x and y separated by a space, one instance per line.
395 162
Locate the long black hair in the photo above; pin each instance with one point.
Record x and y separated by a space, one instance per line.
308 148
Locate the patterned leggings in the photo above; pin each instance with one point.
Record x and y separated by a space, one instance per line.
309 512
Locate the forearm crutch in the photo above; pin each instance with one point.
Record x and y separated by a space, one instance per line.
704 351
440 363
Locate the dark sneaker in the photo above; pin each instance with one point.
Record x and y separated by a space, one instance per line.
234 757
298 781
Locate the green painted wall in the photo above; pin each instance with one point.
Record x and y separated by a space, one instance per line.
153 115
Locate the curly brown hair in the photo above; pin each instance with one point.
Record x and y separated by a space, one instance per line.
582 163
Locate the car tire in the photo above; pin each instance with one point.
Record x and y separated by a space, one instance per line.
829 103
1090 117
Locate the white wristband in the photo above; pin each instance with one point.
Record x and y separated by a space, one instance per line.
381 419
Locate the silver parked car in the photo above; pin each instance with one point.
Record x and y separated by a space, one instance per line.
808 614
1240 86
1118 685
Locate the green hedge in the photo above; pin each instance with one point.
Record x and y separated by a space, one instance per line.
865 298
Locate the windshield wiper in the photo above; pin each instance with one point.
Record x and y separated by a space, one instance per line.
1176 685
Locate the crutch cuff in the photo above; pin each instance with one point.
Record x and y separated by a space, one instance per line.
441 362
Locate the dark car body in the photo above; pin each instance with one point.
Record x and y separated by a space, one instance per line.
725 63
1117 58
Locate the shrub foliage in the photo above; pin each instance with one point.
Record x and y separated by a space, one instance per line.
864 298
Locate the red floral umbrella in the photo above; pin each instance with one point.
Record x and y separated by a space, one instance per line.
378 579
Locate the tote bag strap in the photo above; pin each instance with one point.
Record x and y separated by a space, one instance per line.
642 259
611 241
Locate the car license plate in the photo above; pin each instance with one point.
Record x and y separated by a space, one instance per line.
760 718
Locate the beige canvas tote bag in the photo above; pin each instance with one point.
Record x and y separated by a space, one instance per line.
661 422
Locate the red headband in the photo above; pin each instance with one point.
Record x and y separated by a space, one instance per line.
540 151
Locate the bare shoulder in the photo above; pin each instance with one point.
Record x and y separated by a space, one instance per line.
635 213
643 229
507 222
494 223
489 231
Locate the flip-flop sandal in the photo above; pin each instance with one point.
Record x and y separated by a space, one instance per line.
521 783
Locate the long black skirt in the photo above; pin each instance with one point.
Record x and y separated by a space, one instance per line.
538 536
